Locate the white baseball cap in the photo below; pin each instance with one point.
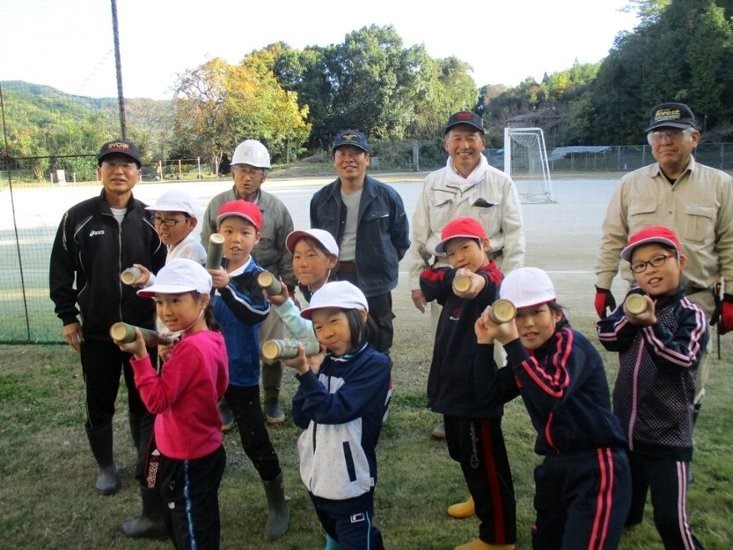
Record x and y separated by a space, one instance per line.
176 200
178 276
337 294
527 286
319 235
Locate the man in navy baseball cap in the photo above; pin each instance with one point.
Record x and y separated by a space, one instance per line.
351 138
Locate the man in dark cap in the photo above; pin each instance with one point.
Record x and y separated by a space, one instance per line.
467 186
96 239
367 218
694 200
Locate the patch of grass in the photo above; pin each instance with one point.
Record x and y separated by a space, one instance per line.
48 472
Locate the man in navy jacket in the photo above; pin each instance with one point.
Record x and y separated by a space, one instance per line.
367 218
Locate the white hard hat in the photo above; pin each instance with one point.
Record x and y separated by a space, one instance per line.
251 152
527 286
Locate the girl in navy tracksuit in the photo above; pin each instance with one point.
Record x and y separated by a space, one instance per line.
340 403
583 485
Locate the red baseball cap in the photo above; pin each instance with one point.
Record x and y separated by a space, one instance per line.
242 209
652 234
467 228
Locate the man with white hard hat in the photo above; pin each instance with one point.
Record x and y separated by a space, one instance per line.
250 165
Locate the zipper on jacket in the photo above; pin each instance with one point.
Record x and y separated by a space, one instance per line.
119 267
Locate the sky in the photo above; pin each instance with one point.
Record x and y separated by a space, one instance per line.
68 44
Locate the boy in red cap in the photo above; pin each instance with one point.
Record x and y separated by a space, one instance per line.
660 341
459 391
240 307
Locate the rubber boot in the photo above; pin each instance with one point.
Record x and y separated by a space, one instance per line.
108 478
151 522
478 544
462 510
226 414
439 431
272 374
331 544
278 514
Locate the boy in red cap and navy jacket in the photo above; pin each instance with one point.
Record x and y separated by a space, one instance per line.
240 308
459 391
660 341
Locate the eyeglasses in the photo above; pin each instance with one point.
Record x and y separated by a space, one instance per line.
115 164
656 261
670 134
168 222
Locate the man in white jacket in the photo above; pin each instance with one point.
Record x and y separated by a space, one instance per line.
466 186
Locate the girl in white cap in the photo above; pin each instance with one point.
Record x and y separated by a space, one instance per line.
340 404
583 486
184 397
315 254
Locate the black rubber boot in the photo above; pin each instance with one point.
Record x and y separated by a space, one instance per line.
278 514
272 374
108 478
151 523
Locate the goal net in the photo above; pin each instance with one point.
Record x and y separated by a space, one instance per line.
525 160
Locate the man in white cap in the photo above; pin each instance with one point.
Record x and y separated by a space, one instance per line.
250 165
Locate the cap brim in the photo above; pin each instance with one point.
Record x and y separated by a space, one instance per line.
680 125
102 157
462 123
151 291
547 300
349 145
440 247
222 217
292 239
628 251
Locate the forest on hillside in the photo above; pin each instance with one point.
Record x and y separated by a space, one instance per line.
295 100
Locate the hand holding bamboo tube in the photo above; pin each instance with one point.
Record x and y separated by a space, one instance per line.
214 251
269 283
124 333
274 350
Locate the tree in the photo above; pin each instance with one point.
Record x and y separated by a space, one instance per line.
709 54
218 105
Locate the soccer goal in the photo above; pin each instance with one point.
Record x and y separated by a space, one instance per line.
525 160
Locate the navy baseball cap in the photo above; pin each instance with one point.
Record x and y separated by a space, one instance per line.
671 115
350 137
119 147
465 117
